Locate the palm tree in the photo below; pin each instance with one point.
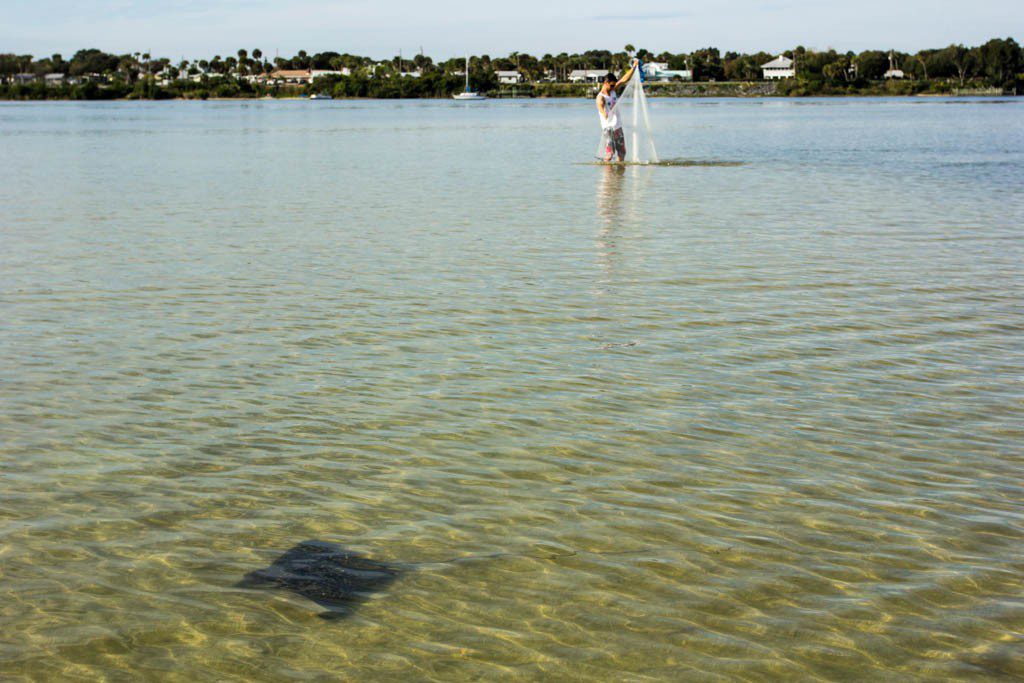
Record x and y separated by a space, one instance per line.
243 61
629 49
923 62
559 64
129 67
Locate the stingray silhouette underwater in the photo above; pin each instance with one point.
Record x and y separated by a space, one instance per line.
339 579
326 573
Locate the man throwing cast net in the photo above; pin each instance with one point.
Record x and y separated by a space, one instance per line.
614 108
612 138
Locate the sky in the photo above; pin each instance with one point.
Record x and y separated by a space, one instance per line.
443 28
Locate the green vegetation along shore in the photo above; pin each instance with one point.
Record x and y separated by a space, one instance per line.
995 67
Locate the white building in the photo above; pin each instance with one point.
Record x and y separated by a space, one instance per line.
299 76
587 75
893 72
317 73
54 79
659 71
780 67
386 68
509 77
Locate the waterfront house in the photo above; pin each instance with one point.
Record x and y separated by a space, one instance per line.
198 77
659 71
587 75
509 77
164 77
317 73
387 67
291 76
893 72
54 79
778 68
24 78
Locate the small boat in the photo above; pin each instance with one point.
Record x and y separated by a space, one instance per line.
320 96
468 95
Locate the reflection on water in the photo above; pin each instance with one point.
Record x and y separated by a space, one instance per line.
732 422
609 193
622 191
609 213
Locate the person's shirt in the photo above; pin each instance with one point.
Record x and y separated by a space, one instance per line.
611 121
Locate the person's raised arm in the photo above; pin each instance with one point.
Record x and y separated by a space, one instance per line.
628 75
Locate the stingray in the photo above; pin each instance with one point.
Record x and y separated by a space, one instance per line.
333 577
339 579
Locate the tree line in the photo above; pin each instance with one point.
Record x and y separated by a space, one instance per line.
998 63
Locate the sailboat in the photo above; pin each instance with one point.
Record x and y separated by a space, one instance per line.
468 94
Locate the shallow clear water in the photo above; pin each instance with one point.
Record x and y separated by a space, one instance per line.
712 421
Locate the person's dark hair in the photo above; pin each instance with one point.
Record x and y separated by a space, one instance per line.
610 78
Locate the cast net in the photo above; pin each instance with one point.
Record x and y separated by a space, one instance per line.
633 116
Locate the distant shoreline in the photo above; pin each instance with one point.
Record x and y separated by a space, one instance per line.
685 89
994 68
707 95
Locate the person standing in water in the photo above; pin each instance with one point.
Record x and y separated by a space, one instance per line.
612 138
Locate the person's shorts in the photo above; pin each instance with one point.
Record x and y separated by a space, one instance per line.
614 143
